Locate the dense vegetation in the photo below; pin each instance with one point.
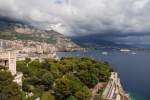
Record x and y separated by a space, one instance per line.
9 90
67 79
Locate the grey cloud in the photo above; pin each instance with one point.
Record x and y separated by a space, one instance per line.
82 17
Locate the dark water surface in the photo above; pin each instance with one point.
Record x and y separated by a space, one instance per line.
133 69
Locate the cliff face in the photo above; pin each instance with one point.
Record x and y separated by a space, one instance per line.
15 31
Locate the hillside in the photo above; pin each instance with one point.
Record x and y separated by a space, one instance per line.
19 31
67 79
97 41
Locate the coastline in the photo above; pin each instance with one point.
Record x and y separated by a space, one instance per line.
123 63
114 89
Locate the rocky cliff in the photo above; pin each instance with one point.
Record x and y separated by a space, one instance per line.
18 31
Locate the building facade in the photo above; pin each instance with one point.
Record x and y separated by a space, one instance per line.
8 59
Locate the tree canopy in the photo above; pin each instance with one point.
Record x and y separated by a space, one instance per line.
9 90
67 79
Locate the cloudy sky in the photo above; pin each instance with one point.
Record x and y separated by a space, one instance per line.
130 19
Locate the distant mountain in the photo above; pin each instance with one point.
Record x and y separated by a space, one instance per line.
17 30
98 42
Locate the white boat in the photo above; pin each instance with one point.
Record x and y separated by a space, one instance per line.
104 53
125 50
133 53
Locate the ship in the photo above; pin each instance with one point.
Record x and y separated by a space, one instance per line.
125 50
133 53
104 53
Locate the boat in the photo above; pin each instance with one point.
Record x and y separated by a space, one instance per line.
133 53
104 53
125 50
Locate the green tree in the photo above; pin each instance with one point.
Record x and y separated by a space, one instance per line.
46 64
83 94
47 96
35 65
22 67
27 60
67 79
62 88
71 98
69 85
9 90
88 78
47 80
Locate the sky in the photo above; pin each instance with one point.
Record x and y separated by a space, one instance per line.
129 20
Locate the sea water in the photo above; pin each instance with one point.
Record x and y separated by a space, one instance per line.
133 69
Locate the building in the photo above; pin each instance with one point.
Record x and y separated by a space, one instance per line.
8 59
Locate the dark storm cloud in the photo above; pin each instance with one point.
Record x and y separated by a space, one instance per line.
83 17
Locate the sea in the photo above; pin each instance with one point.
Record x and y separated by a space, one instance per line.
133 68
